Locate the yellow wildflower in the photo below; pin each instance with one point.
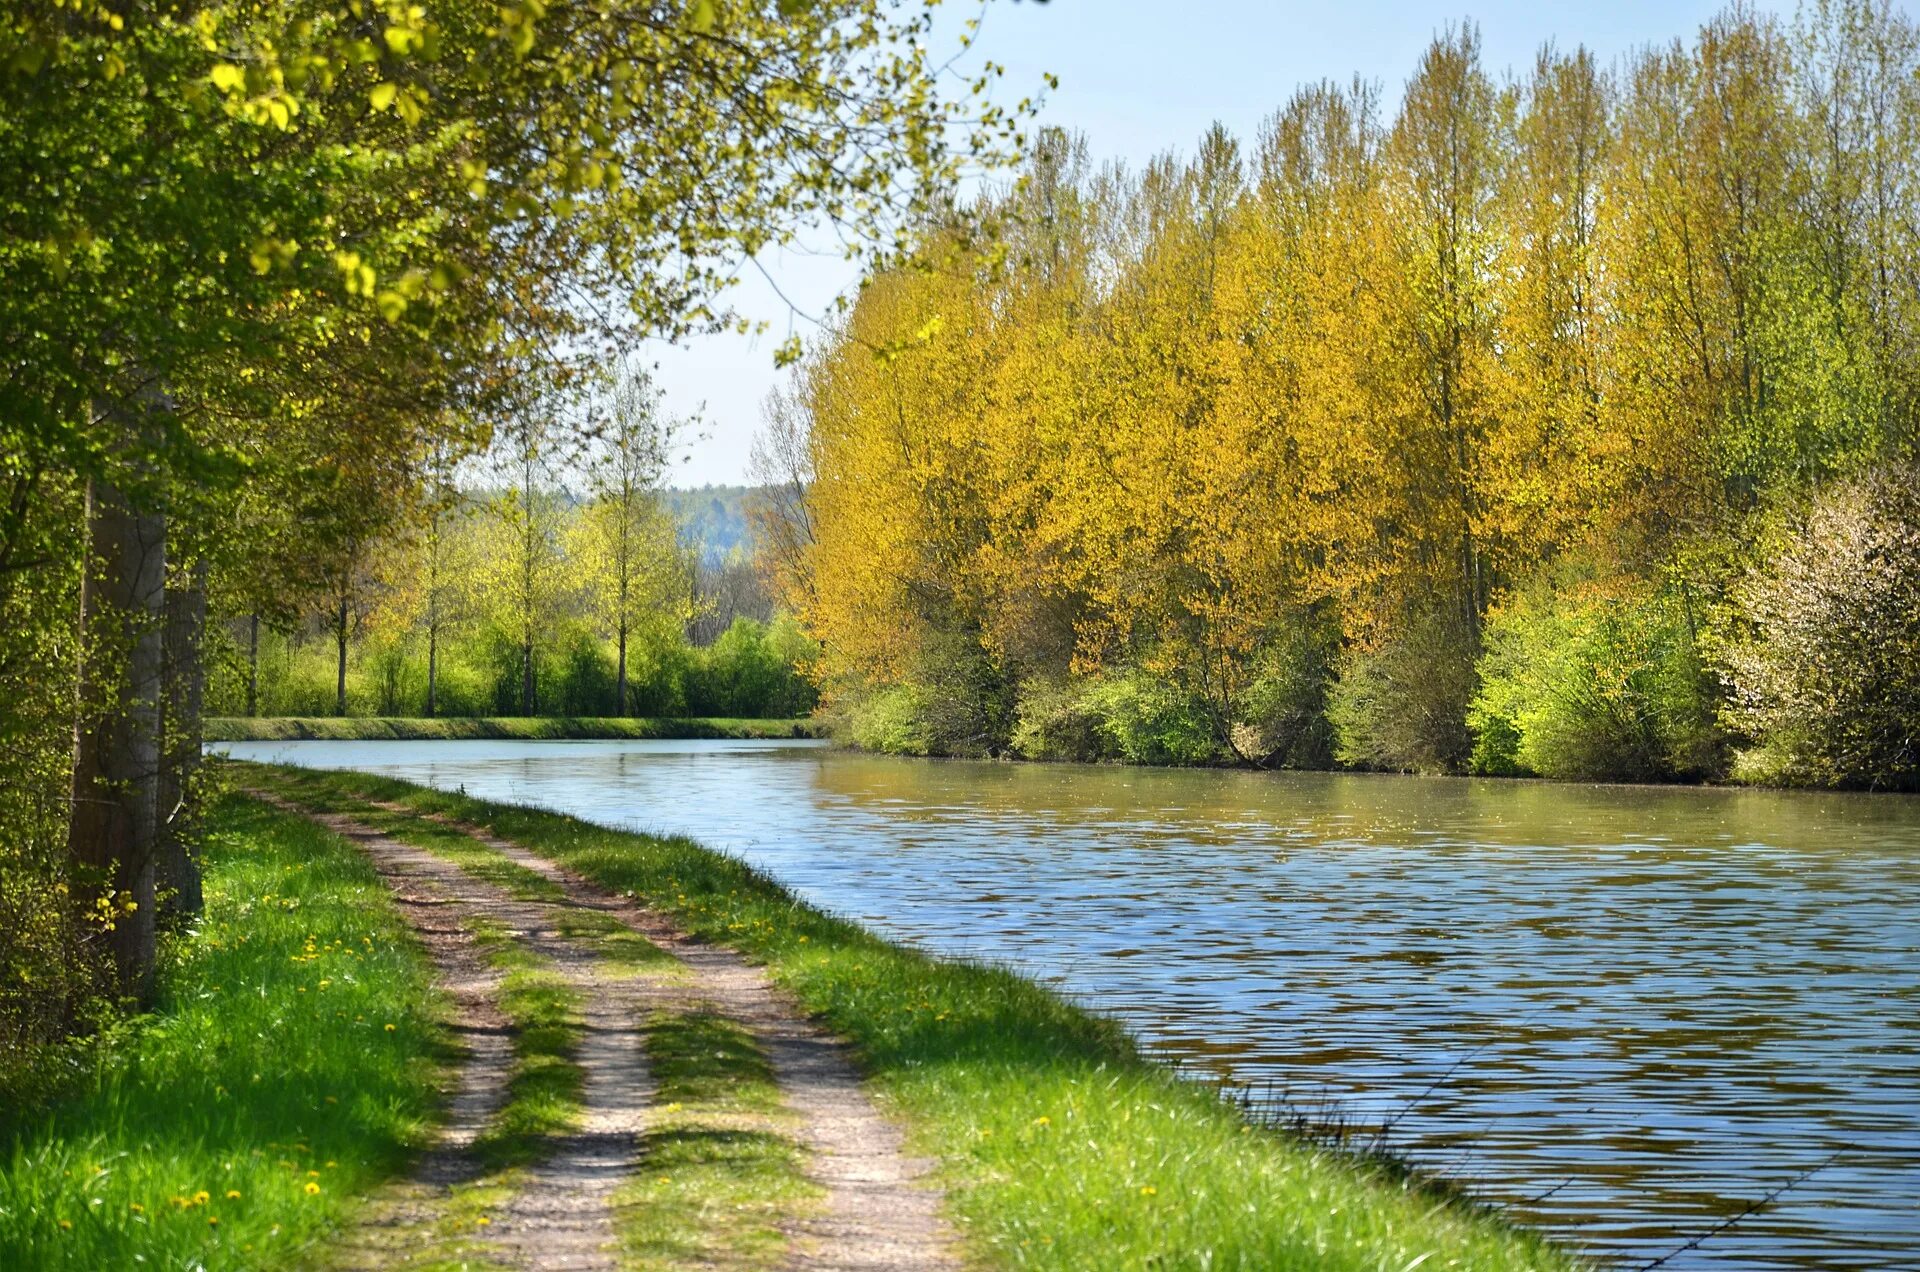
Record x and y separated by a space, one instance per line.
312 1188
233 1194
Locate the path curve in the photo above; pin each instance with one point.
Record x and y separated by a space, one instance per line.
560 1218
881 1211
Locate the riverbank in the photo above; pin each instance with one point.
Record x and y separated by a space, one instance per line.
298 1042
522 728
290 1066
1058 1144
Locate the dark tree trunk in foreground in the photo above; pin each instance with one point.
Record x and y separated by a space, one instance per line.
433 671
340 644
253 666
114 827
177 865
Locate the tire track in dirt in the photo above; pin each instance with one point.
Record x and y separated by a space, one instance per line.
559 1217
881 1213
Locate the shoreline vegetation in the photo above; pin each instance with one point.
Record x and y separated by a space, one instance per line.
543 728
1058 1144
1561 421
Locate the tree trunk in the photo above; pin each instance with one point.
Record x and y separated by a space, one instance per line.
526 678
253 666
177 868
116 767
620 692
340 645
433 671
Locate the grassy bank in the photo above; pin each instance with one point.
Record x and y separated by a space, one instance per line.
286 1070
1061 1147
393 728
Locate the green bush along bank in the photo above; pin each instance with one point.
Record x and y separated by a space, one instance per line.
383 728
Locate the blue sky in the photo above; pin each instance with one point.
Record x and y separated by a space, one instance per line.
1140 77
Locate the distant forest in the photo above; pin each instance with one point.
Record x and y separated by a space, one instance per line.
713 521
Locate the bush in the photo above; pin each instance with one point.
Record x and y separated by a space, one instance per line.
1146 720
887 720
1283 714
1055 721
956 702
1402 705
1825 675
1577 682
752 670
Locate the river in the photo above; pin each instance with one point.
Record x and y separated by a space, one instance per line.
1626 1012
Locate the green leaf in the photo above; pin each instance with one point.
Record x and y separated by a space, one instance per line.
382 95
228 78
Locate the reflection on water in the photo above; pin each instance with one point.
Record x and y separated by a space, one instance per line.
1626 1012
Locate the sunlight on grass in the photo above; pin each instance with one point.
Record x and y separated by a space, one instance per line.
287 1069
718 1178
1061 1146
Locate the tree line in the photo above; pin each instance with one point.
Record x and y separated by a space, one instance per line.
1560 424
549 577
272 270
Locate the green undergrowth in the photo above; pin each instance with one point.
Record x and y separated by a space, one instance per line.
1061 1146
718 1179
287 1069
413 729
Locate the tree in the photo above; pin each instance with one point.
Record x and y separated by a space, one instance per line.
630 564
520 577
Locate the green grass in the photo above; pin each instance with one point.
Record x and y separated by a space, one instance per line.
1061 1146
287 1069
380 728
718 1180
543 1091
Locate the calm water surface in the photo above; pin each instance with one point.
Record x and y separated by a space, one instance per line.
1629 1013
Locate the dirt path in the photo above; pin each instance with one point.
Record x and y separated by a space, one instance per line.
879 1214
444 924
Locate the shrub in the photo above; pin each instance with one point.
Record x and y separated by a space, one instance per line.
1055 721
1825 674
1578 682
1146 720
1402 705
1283 714
887 720
752 670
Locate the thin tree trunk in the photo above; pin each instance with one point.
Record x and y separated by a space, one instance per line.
177 871
620 692
112 831
253 666
526 678
433 671
340 645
